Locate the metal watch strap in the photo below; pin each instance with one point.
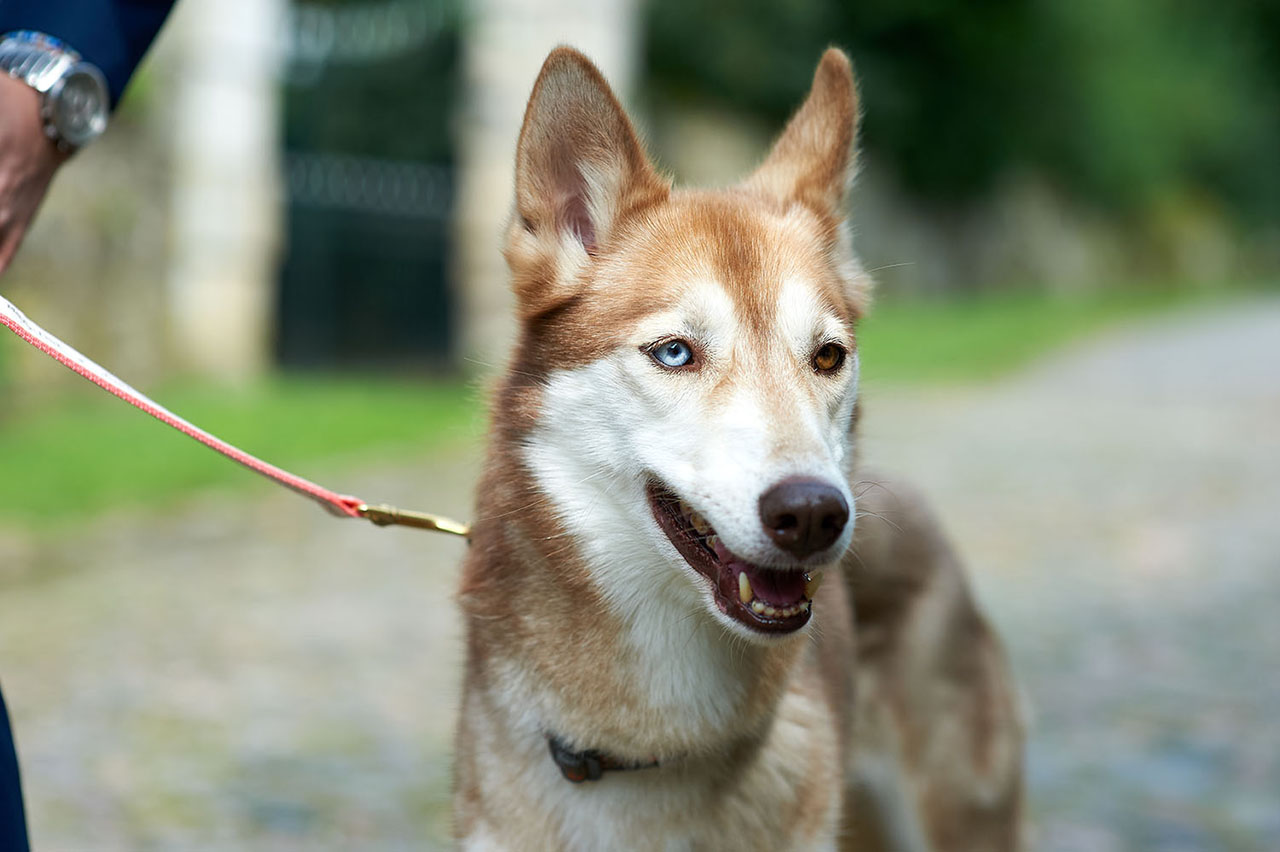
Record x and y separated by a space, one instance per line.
37 61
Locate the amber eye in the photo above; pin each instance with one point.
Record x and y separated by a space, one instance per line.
828 358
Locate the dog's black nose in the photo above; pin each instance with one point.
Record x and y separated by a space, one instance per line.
803 516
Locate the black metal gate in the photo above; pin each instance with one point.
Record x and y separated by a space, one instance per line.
368 170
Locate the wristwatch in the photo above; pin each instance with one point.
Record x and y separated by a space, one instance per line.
74 99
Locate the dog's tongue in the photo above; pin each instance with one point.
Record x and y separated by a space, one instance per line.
781 588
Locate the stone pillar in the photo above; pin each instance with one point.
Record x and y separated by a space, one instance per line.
505 44
227 211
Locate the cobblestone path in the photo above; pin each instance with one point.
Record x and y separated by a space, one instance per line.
250 674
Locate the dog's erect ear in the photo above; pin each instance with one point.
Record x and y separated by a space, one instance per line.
813 159
579 169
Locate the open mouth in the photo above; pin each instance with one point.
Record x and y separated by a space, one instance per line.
768 600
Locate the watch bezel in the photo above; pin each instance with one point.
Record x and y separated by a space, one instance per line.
66 136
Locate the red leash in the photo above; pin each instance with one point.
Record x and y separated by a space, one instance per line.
339 504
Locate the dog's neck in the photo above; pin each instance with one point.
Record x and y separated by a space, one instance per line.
553 654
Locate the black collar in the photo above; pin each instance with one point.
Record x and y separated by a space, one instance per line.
579 766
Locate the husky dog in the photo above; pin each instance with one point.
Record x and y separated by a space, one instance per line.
654 660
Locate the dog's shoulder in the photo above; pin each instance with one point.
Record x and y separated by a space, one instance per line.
939 745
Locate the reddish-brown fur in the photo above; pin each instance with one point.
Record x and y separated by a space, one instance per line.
904 673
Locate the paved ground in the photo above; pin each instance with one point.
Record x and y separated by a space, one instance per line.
253 675
1120 507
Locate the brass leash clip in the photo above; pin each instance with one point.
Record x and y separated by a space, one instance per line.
385 516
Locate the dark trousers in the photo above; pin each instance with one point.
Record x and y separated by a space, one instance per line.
13 820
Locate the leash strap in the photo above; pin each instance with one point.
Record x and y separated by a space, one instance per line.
342 505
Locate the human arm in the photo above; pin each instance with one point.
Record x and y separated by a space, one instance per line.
28 160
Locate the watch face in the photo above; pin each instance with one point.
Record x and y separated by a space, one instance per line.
80 107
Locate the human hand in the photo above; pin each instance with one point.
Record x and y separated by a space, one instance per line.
28 160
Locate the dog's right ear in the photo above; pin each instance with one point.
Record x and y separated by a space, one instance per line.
579 170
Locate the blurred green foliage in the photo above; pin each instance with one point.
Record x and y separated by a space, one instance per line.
1118 102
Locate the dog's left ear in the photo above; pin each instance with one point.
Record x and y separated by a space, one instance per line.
579 170
812 161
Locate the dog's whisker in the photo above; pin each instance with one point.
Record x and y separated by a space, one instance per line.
889 266
878 516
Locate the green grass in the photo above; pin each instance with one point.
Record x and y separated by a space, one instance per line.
92 453
95 453
983 339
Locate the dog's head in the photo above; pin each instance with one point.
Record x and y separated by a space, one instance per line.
693 353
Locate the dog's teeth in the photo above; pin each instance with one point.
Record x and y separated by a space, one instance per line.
811 584
713 541
757 607
770 611
685 509
744 588
699 523
804 606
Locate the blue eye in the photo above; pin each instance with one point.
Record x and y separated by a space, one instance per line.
672 353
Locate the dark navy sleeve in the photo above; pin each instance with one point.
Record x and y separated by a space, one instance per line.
13 822
112 34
